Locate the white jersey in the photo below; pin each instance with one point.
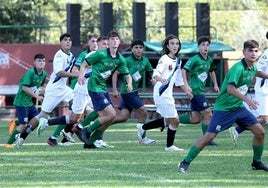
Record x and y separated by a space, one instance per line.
164 69
61 61
262 65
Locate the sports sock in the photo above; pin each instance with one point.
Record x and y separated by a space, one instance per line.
57 121
204 128
184 118
95 125
12 137
68 128
90 117
194 151
27 131
96 134
171 132
154 124
57 131
257 152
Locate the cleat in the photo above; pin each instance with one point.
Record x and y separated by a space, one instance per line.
89 146
68 136
102 144
147 141
259 166
162 128
52 142
8 146
19 141
78 131
43 123
85 136
212 144
183 166
234 135
141 131
173 148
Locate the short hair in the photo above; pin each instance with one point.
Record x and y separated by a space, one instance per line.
203 39
101 38
39 56
137 42
113 34
92 36
166 41
249 44
267 35
68 35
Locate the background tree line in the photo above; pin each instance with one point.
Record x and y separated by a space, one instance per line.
232 21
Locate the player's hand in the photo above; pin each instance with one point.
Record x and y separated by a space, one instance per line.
116 94
253 104
81 80
129 88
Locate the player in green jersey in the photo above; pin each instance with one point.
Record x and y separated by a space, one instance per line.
137 65
103 63
31 86
198 68
229 108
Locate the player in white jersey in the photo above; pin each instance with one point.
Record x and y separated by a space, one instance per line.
57 90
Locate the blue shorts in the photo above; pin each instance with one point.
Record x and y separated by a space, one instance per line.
222 120
130 101
100 100
25 114
199 103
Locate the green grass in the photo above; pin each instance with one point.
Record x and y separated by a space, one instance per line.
129 164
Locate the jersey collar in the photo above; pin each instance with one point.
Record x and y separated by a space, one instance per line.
246 66
109 53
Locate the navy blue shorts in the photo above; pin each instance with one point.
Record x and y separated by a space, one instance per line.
130 101
25 114
100 100
222 120
199 103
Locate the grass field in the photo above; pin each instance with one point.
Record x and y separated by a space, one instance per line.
129 164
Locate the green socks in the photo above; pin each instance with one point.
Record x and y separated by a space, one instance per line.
194 151
95 136
91 117
57 131
94 126
11 139
257 152
204 128
184 118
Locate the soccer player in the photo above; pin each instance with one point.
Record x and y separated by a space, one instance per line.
81 102
198 68
103 63
166 74
31 85
57 89
137 65
229 108
261 95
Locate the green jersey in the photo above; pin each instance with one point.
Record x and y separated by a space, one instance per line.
78 63
137 69
103 65
198 69
241 76
32 80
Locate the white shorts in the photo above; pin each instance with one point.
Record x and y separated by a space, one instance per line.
81 103
53 99
167 110
263 104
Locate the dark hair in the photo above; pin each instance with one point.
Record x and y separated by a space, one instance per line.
203 39
113 34
101 38
165 44
65 35
137 42
39 56
267 35
249 44
92 36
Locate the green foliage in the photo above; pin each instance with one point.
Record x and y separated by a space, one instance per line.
129 164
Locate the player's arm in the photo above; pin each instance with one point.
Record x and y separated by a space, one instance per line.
114 82
81 77
33 94
214 80
129 82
